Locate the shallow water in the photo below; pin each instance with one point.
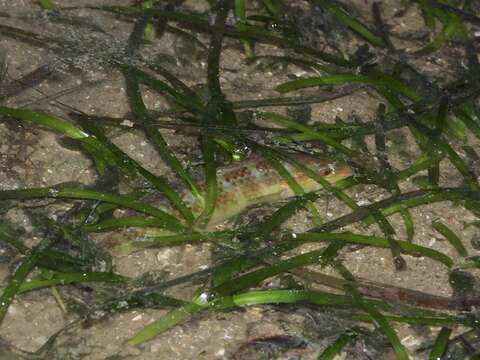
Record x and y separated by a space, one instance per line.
83 48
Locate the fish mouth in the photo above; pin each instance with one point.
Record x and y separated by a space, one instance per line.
337 174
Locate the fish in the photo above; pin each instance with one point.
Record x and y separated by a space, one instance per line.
250 182
254 181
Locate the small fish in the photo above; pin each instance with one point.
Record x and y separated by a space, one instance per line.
254 181
251 182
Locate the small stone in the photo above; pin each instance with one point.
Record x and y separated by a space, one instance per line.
137 318
475 241
220 352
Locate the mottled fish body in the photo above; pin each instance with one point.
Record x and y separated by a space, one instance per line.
254 181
